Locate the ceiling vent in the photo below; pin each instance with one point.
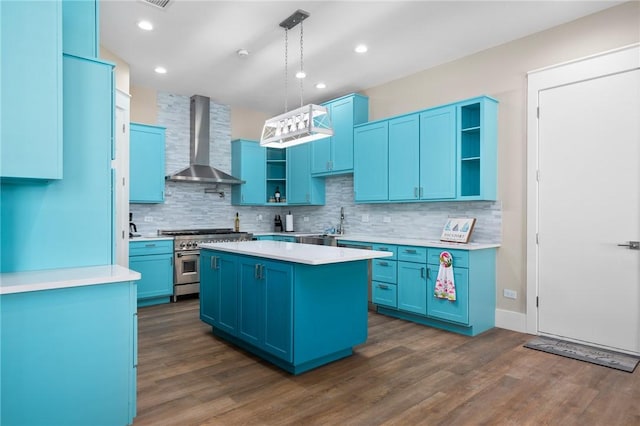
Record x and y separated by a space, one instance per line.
160 4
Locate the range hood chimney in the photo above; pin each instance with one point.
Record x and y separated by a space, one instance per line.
199 169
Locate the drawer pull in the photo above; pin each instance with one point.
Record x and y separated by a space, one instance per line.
383 287
383 248
383 263
410 251
150 245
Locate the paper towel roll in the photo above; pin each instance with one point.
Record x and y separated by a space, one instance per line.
289 223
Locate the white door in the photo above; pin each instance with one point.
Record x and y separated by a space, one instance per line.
588 204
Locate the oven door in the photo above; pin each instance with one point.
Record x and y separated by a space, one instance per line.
187 267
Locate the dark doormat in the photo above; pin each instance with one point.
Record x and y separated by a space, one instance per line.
598 356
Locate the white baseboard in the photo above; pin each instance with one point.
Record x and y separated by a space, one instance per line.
510 320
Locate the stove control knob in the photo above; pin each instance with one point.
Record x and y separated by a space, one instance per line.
182 245
195 244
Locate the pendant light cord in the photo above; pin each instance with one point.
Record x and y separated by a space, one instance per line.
301 61
286 47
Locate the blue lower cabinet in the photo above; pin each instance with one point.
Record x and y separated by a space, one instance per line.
384 294
265 311
69 356
404 288
449 310
290 314
219 291
154 261
412 287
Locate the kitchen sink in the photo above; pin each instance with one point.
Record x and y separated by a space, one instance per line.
319 240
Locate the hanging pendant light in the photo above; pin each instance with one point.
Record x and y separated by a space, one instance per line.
305 124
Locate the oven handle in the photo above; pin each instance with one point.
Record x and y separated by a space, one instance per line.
188 253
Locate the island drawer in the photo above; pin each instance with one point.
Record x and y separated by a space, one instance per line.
137 248
412 254
460 257
387 247
384 270
384 294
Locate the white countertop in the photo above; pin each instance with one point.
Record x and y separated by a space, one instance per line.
297 253
51 279
417 242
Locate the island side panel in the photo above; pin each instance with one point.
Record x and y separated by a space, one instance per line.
330 308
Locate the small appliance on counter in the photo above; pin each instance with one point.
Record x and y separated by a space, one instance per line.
133 229
277 224
288 223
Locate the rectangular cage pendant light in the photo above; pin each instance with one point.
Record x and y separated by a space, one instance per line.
304 124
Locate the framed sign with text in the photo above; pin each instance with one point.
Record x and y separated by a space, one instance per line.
458 229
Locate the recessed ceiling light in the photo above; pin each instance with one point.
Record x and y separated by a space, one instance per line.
321 85
161 70
242 52
145 25
301 74
361 48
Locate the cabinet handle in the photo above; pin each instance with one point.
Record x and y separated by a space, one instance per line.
261 272
171 260
415 191
428 272
383 286
410 251
421 192
383 264
383 248
421 272
150 245
327 166
257 271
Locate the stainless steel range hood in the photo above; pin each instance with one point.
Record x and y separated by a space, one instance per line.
199 169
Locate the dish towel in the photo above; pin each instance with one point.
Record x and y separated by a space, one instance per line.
445 287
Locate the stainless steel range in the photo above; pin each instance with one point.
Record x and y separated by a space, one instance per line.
186 242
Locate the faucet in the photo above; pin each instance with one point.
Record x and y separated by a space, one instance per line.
341 226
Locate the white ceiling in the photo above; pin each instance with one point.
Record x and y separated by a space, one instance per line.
196 41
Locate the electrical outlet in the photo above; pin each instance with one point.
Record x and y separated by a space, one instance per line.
148 219
259 217
510 294
365 218
305 219
386 219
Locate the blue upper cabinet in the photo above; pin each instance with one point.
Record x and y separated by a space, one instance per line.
334 156
248 161
80 28
477 149
404 158
31 57
438 154
371 162
443 153
302 187
147 151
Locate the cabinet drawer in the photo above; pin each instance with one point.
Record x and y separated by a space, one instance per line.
384 270
140 248
460 257
387 247
412 254
384 294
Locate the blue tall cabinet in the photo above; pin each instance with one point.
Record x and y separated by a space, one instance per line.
78 366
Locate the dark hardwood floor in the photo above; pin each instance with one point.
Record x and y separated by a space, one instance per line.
406 374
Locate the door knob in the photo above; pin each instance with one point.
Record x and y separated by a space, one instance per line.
633 245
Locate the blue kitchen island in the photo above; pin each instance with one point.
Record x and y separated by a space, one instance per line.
298 306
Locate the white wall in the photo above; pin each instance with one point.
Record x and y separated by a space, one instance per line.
500 72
